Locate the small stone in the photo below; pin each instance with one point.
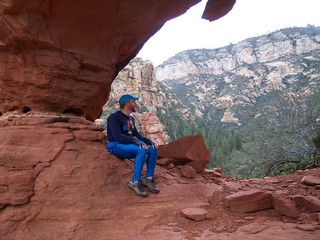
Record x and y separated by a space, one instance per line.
316 216
218 170
311 203
216 174
188 172
165 161
172 224
170 166
310 180
306 227
196 214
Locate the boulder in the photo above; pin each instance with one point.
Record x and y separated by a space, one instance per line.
310 203
285 207
189 150
248 201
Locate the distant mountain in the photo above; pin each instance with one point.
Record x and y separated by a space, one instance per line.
233 84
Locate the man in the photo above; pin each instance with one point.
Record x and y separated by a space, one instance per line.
125 141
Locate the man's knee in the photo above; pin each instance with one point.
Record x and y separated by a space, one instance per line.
152 150
143 151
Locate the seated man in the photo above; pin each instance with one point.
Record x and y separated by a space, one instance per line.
125 141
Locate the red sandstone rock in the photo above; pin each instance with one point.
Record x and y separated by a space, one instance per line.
311 203
316 216
285 207
196 214
306 227
187 150
165 161
188 172
216 9
248 201
62 56
78 186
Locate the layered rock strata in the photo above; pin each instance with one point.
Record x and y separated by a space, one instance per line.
62 56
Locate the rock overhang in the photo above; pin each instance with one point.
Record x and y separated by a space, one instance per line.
62 56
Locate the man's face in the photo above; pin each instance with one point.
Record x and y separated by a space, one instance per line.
131 105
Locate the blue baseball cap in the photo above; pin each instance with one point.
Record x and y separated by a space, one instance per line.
125 98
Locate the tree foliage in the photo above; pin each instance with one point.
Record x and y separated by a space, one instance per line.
286 139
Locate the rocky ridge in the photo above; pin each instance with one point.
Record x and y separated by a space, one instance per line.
234 77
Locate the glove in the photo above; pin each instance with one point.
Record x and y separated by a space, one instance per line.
141 144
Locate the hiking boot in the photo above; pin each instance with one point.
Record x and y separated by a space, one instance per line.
150 184
137 188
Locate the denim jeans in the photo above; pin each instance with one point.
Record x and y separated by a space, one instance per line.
139 155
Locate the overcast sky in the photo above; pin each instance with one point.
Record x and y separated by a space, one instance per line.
248 18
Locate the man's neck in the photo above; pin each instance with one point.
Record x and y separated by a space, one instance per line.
125 111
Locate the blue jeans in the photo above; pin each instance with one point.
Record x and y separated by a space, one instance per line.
139 155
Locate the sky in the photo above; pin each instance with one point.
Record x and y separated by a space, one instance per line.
248 18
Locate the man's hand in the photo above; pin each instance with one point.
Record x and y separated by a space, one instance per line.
141 144
154 145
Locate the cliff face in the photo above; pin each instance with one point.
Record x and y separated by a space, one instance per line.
138 79
237 75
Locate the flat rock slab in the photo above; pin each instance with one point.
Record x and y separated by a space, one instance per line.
196 214
248 201
285 207
311 203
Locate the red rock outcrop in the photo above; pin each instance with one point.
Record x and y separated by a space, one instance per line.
190 150
248 201
58 182
62 56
